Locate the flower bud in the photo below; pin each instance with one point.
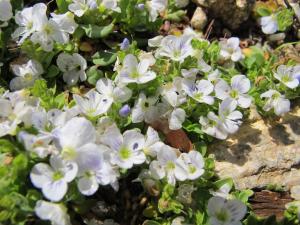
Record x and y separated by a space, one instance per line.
125 44
124 111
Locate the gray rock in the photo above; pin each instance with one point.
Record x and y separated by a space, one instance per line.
232 12
262 153
199 19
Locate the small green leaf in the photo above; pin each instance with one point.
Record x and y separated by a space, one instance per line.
176 16
62 5
262 11
20 162
53 71
104 58
94 31
6 146
93 75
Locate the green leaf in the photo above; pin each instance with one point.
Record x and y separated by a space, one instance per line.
201 147
53 71
199 218
200 44
262 11
5 215
93 75
6 146
62 5
60 100
220 183
176 16
104 58
94 31
20 162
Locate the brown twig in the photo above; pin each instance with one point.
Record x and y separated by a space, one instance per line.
209 29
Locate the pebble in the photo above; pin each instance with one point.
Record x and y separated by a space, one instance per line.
199 19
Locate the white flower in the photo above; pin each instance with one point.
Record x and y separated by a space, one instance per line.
175 48
94 174
111 4
222 192
76 142
296 72
79 7
214 76
26 74
240 85
225 212
27 19
167 166
190 74
229 116
56 29
135 72
5 10
73 66
227 122
39 144
173 92
200 91
212 126
178 221
155 7
152 143
276 101
287 76
230 49
147 56
65 22
269 24
56 213
12 113
53 180
156 41
144 109
112 93
192 163
176 118
127 148
92 103
46 122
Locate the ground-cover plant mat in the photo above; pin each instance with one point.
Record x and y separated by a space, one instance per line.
107 108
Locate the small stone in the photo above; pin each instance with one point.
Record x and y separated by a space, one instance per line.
199 19
277 37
